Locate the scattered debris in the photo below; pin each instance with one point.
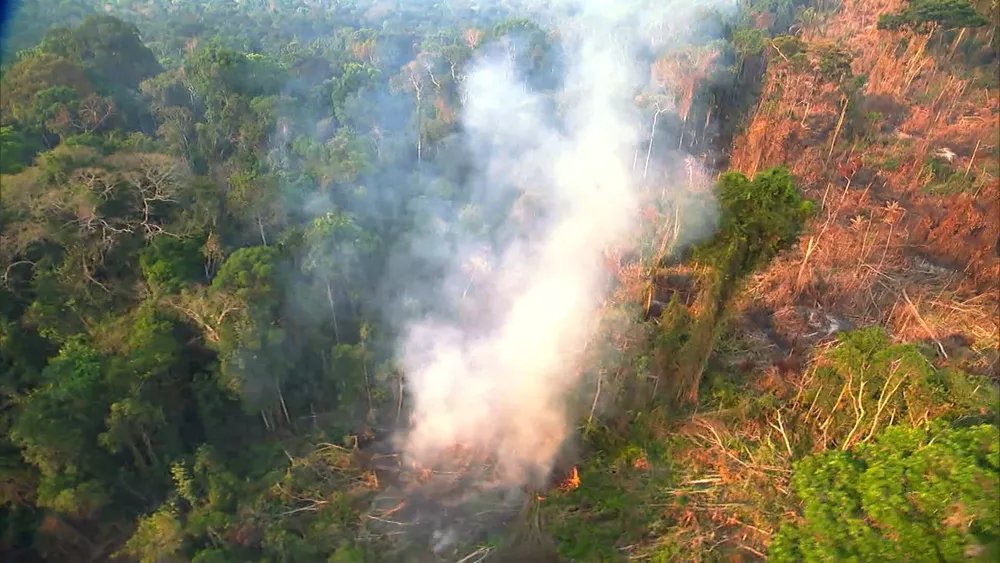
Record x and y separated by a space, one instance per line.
824 324
945 153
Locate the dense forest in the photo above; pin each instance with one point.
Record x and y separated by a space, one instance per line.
239 240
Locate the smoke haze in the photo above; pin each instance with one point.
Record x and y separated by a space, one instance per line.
492 363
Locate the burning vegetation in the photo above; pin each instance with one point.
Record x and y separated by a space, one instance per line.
521 281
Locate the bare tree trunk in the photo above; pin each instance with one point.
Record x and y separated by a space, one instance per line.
652 137
973 159
680 142
333 309
260 225
420 128
140 461
368 385
399 403
597 397
836 132
153 459
264 416
954 46
376 136
281 398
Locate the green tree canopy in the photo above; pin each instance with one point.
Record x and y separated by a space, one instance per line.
921 14
108 49
759 218
927 494
34 74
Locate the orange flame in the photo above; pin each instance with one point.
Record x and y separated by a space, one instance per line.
572 482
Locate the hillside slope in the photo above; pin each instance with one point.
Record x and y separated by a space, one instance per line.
895 134
851 348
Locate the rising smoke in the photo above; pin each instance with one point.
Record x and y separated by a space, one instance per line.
492 363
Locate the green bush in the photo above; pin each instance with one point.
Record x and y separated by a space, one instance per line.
759 219
914 494
749 41
866 382
834 61
955 184
793 50
170 264
890 163
920 15
945 180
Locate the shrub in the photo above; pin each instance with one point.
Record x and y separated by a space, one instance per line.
170 264
759 218
915 494
921 15
866 382
890 163
955 184
793 50
834 62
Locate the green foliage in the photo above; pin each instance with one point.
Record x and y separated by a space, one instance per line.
867 382
610 510
108 49
57 425
922 14
158 535
215 71
791 50
956 183
759 218
890 163
35 74
170 265
834 61
193 266
789 46
781 13
250 274
929 493
301 510
945 180
940 169
749 41
354 78
16 150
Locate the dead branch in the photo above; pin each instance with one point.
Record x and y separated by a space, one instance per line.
883 399
780 427
923 323
859 413
836 132
6 272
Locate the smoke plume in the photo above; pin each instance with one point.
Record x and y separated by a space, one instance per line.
493 363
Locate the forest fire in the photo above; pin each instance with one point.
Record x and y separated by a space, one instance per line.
457 494
369 280
572 482
458 473
460 465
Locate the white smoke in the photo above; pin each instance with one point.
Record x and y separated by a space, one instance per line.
498 381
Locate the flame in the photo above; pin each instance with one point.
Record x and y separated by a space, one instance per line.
572 482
